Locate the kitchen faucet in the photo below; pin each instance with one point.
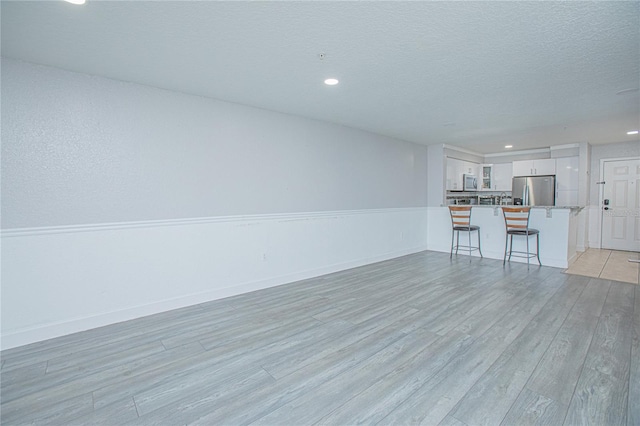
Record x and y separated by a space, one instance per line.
503 198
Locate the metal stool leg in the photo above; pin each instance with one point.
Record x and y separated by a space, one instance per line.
453 232
511 248
457 242
479 244
528 249
538 248
506 246
469 244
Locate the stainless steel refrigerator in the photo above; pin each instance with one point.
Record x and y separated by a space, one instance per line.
534 190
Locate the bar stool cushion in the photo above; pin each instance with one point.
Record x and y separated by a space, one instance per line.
528 231
466 228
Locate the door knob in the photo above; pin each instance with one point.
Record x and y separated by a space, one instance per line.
606 208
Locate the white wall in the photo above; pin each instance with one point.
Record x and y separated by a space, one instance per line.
120 200
79 149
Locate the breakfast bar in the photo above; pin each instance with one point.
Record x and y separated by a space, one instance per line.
557 225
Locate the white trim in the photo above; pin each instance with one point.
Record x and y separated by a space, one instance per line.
512 153
566 146
466 151
65 229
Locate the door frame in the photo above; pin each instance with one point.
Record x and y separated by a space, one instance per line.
601 188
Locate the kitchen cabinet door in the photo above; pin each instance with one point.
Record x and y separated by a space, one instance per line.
523 168
470 168
485 177
455 169
567 176
502 176
534 167
544 167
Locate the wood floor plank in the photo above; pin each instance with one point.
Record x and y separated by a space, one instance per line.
605 376
64 385
373 404
559 369
117 386
311 406
599 399
433 401
199 401
114 334
291 361
611 343
20 374
259 402
38 385
491 397
451 421
120 413
56 413
192 382
479 322
532 408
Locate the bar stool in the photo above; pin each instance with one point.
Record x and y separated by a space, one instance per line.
516 220
461 221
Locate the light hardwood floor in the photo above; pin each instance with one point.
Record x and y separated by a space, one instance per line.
418 339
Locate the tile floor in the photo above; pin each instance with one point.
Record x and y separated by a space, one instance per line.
608 265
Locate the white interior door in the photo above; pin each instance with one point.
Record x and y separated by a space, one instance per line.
621 205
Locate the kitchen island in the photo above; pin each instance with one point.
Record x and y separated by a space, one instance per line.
557 224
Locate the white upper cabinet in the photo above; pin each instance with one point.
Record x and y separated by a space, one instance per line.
567 176
454 174
485 177
455 170
469 168
523 168
567 181
545 167
502 176
534 167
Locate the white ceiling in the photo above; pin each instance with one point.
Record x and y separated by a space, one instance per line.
478 75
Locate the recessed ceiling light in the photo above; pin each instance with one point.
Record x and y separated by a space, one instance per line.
632 132
75 1
508 146
331 82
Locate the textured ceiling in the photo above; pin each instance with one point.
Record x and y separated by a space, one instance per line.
477 75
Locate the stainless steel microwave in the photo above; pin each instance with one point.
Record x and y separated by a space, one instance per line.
469 183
